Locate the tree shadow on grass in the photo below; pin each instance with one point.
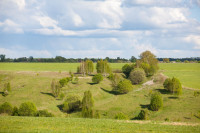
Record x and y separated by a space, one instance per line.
173 97
111 92
91 83
46 93
143 106
163 91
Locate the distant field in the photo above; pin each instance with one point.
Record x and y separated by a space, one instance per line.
188 73
79 125
47 66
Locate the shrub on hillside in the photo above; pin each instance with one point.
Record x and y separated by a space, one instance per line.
173 86
115 79
44 113
120 116
15 111
97 78
72 103
64 81
127 68
196 93
123 87
6 108
87 105
27 109
55 88
137 76
143 115
97 115
156 101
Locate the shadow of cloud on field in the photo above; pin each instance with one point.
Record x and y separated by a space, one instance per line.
111 92
163 91
46 93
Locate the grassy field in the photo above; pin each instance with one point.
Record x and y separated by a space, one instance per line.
48 66
78 125
187 73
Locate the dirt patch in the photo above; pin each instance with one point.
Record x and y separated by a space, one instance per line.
180 124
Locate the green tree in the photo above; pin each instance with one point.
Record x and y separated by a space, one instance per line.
120 116
115 79
127 68
133 59
27 109
87 105
123 87
6 108
103 67
7 89
2 57
143 115
55 88
137 76
156 101
97 78
148 62
86 67
166 60
173 86
73 103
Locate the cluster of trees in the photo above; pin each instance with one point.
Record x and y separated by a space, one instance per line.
191 59
25 109
86 67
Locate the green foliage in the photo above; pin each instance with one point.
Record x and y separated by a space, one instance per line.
178 61
75 80
73 102
62 95
87 105
148 62
86 67
115 79
44 113
196 93
97 115
166 60
127 68
64 81
123 87
65 107
121 116
55 88
27 109
173 86
6 108
156 101
143 115
103 67
137 76
15 111
97 78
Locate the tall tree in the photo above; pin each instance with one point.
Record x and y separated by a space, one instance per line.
148 62
103 67
87 105
2 57
86 67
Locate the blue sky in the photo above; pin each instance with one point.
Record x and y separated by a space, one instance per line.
99 28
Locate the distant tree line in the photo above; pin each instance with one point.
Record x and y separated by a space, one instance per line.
78 60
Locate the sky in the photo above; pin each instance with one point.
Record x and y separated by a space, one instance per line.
99 28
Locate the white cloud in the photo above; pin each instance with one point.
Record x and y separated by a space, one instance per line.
46 21
10 26
77 19
21 3
193 39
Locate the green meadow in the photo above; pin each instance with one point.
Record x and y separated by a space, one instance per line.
32 81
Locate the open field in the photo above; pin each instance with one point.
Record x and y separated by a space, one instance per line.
187 73
32 124
48 66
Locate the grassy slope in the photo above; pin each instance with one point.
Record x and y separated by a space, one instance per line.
188 73
27 86
34 124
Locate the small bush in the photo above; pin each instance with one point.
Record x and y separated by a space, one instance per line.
137 76
44 113
87 105
156 101
73 102
6 108
55 88
27 109
65 107
15 111
143 115
115 79
64 81
127 68
173 86
196 93
6 89
62 95
97 78
166 119
120 116
123 87
97 115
